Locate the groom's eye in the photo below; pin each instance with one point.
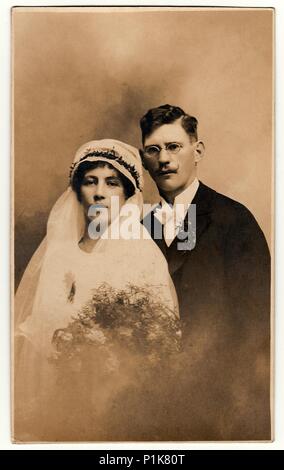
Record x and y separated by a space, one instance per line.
173 147
152 150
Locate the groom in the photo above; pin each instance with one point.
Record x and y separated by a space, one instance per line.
222 278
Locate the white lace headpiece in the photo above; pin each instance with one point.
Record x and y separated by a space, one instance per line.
121 156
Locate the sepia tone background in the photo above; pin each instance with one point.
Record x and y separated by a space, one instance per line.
92 73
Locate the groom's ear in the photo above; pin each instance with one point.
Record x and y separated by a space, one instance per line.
141 152
199 151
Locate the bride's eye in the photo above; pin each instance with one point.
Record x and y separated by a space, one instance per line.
88 182
114 182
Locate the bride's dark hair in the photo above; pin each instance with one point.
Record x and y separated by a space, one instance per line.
77 181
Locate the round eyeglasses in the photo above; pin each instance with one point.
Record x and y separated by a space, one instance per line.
153 151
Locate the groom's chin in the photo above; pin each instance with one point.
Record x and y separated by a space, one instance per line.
167 184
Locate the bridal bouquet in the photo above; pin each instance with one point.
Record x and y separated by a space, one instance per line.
116 325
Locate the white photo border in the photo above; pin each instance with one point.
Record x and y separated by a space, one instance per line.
5 186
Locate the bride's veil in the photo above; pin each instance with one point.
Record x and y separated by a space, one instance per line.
38 304
65 227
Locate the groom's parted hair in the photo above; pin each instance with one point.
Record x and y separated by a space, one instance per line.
167 114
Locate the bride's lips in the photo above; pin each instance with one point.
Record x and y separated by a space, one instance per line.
99 206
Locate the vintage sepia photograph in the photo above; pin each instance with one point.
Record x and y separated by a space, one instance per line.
142 224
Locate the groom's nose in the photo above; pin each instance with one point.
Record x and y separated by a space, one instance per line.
164 157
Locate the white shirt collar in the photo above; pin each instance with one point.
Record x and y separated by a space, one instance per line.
188 194
172 216
185 198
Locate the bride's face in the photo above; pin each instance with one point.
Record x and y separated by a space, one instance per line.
102 189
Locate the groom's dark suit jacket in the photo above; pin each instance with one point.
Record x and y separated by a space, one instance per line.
223 287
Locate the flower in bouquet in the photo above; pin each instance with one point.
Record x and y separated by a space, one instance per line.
117 323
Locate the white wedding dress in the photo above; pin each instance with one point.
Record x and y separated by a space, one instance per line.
58 282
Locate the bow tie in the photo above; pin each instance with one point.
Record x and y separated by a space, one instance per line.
170 214
164 214
172 219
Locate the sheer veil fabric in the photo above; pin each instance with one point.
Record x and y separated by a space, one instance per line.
42 302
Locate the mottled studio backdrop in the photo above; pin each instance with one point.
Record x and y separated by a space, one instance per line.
83 74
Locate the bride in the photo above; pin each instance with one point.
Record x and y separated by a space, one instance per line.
95 298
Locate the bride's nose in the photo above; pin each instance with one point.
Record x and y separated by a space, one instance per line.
100 191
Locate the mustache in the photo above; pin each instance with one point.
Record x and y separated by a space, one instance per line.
166 171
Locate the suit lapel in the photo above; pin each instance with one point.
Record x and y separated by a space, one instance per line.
203 202
155 228
203 199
